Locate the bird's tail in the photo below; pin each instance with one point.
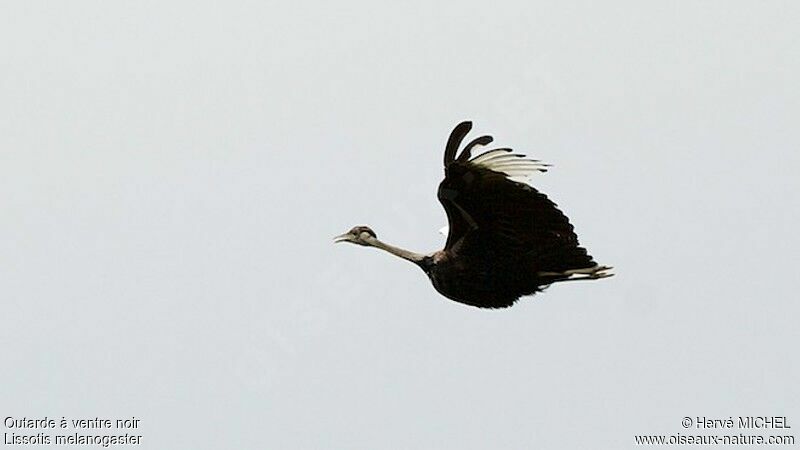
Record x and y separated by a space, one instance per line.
566 264
563 258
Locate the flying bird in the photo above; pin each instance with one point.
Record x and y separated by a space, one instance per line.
505 240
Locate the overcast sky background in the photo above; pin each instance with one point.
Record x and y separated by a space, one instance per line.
172 175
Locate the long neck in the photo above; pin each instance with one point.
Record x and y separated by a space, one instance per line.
416 258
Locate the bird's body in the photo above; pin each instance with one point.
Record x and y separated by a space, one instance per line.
505 240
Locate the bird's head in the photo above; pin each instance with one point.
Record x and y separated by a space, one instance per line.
361 235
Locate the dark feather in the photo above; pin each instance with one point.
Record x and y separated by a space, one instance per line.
454 141
467 152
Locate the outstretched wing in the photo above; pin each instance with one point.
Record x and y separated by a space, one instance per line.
494 218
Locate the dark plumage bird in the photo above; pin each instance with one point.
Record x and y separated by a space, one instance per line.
505 240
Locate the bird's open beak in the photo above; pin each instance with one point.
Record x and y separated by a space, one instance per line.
343 238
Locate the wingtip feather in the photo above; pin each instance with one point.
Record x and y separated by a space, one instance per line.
454 141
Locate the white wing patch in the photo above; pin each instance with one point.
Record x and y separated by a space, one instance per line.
514 165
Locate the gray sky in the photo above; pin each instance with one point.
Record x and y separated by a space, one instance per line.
173 175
